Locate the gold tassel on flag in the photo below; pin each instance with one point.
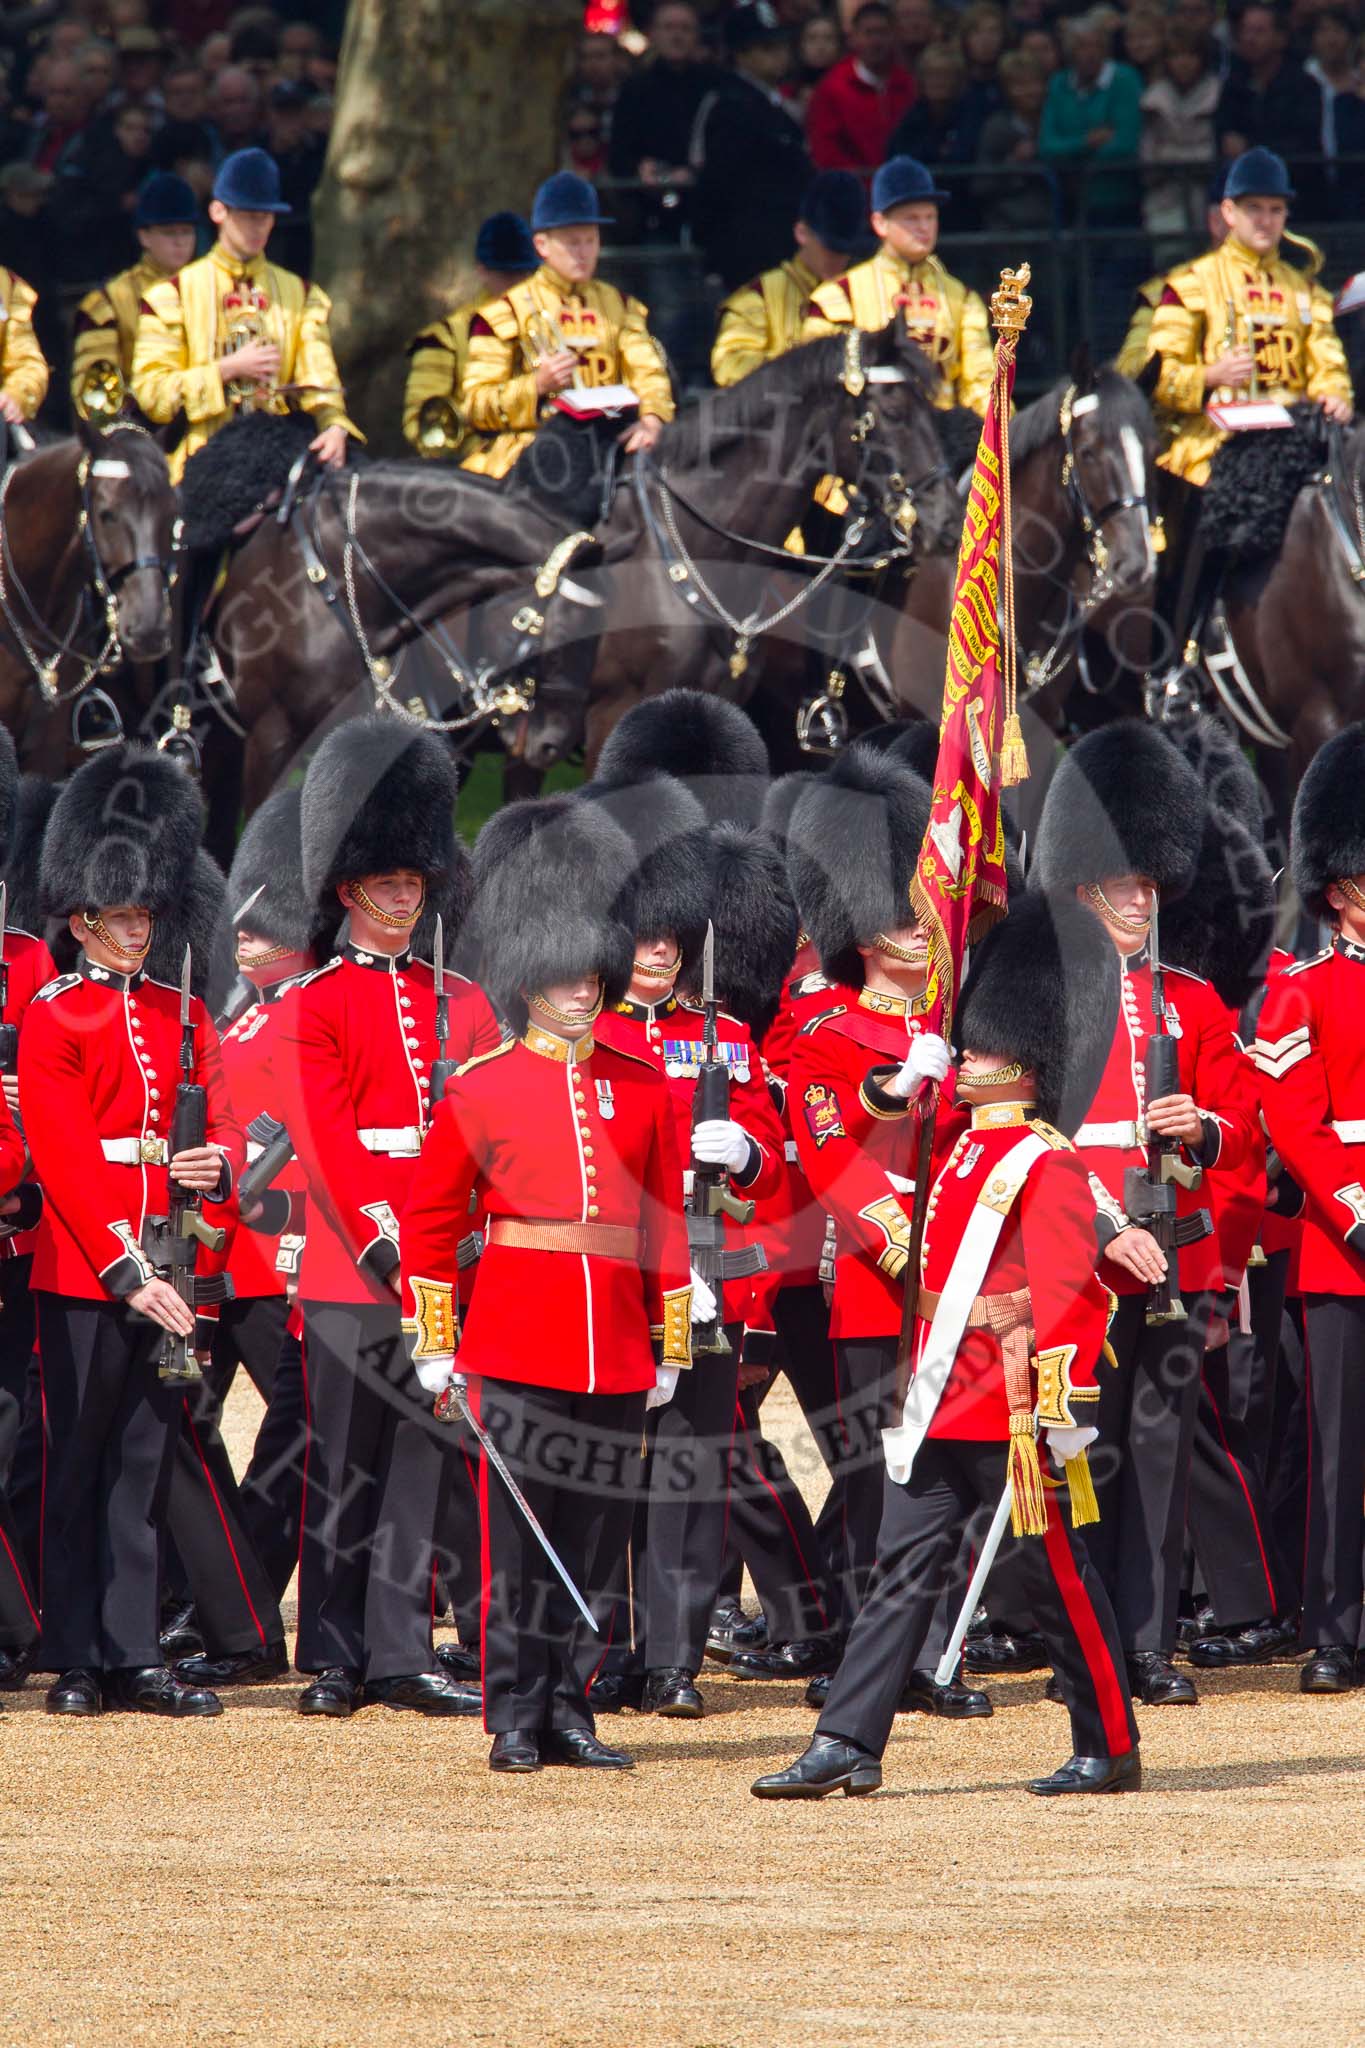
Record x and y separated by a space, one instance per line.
1010 308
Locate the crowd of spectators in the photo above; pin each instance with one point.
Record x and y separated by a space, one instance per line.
1033 113
96 94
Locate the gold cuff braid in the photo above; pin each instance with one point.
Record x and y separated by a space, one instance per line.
677 1327
434 1323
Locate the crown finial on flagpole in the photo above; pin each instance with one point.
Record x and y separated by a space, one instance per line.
1011 304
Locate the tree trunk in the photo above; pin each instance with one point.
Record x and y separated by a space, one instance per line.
447 110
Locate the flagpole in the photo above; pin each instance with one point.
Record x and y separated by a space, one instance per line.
1010 309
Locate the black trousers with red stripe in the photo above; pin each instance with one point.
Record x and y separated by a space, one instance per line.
953 1490
576 1457
1334 1545
17 1328
18 1603
254 1333
865 1386
236 1605
1230 1526
379 1469
111 1434
772 1530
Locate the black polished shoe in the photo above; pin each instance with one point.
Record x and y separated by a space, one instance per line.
1157 1683
804 1659
580 1748
75 1692
672 1693
515 1749
458 1661
426 1692
336 1693
245 1667
1190 1627
1329 1669
1258 1642
152 1689
15 1666
817 1692
952 1702
732 1630
1092 1774
998 1652
828 1765
611 1692
180 1634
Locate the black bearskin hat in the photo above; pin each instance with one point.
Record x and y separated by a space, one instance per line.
265 892
756 927
1043 988
1123 802
1226 776
1327 839
712 746
9 791
23 876
911 740
124 829
552 901
853 842
193 920
1225 927
379 794
671 887
782 798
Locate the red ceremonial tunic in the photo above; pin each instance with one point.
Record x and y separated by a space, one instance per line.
1310 1049
802 1243
31 967
1046 1245
99 1063
1280 1233
357 1044
849 1138
256 1079
546 1132
1212 1071
1236 1199
669 1036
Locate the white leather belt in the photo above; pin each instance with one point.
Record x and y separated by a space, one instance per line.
135 1151
1350 1130
403 1142
1125 1135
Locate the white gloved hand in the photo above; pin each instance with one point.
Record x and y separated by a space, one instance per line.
1067 1443
704 1302
720 1142
927 1060
435 1374
664 1387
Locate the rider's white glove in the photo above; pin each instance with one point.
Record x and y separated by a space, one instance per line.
927 1060
721 1142
703 1299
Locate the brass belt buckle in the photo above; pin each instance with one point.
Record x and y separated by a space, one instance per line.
152 1150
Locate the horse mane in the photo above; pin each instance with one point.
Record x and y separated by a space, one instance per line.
1037 425
806 372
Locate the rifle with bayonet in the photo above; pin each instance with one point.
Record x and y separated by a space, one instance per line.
1149 1192
710 1201
441 1067
172 1241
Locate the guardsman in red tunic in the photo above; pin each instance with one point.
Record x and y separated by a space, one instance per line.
582 1312
1310 1048
1010 1324
855 837
1121 828
691 873
275 933
98 1069
358 1044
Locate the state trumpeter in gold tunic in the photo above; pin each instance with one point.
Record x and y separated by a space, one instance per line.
945 318
437 359
1232 294
106 329
23 366
762 320
1132 358
183 332
606 330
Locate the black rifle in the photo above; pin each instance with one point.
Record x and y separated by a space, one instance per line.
441 1067
1149 1192
172 1241
711 1201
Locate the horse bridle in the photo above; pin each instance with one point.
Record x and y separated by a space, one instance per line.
1092 522
108 582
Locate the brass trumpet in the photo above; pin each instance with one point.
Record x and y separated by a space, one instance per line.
548 338
100 397
438 427
246 310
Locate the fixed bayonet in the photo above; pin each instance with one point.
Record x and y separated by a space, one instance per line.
441 1067
239 914
708 968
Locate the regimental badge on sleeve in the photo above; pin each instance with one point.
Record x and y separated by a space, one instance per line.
824 1118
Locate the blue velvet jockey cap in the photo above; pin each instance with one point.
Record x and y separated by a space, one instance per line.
1258 174
166 201
902 181
504 243
567 201
835 209
249 182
